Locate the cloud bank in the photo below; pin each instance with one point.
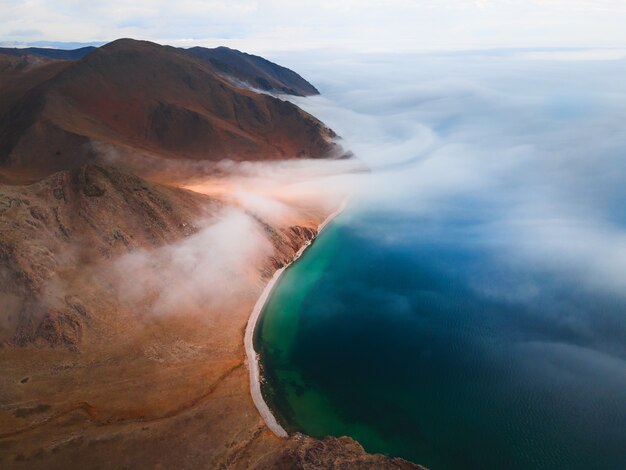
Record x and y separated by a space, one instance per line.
531 151
210 272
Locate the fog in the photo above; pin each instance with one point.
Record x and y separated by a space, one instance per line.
517 153
219 267
208 271
530 146
526 145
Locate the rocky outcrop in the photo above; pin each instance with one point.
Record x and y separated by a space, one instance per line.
55 328
306 453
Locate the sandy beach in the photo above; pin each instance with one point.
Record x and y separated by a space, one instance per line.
252 355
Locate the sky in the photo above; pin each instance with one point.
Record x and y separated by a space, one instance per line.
350 25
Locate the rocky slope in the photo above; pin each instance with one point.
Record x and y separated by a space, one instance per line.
52 229
255 71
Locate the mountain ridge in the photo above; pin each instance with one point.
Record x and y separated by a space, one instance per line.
138 97
50 53
249 69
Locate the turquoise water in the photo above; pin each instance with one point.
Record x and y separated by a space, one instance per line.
387 340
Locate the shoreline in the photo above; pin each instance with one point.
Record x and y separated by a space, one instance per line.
251 355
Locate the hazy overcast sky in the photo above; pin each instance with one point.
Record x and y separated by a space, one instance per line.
363 25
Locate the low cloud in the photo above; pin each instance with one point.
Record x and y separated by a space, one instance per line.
211 271
530 151
208 271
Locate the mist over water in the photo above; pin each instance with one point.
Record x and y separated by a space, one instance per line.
469 309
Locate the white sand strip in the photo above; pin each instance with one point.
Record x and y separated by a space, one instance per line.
253 357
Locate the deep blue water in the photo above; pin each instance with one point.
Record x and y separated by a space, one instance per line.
469 309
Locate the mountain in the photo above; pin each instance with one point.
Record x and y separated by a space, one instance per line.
62 54
136 98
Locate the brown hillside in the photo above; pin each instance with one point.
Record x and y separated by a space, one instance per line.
139 98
